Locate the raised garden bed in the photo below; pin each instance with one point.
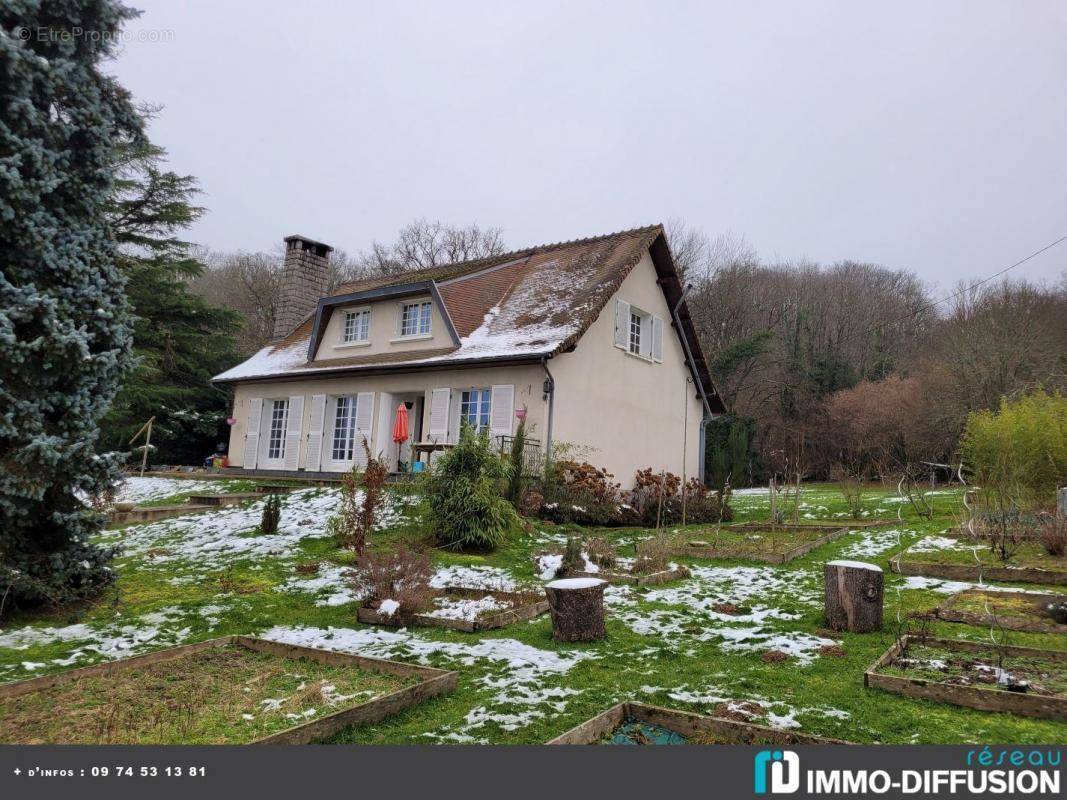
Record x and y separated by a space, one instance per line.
967 674
1030 564
622 573
272 488
771 545
224 499
1016 611
816 524
464 609
153 513
231 690
640 723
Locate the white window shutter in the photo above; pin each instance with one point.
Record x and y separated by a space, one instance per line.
439 402
657 339
364 425
622 324
315 431
294 425
501 410
255 417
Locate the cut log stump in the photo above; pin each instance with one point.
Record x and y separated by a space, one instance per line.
854 594
577 606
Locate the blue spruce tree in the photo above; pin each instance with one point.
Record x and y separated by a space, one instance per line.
64 322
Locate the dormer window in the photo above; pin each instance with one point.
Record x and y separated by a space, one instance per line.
356 327
415 318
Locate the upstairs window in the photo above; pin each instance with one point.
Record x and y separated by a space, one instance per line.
638 332
635 333
415 318
474 408
356 327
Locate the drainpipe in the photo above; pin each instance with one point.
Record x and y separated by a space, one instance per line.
549 394
700 387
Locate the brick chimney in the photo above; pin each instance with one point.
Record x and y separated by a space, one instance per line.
305 273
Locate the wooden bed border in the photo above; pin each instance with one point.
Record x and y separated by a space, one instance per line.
948 612
981 698
433 682
686 723
966 572
766 558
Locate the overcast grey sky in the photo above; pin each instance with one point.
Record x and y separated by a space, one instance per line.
930 136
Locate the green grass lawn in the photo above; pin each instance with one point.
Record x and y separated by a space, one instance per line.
971 553
693 644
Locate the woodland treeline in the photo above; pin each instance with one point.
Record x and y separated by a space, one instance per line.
853 369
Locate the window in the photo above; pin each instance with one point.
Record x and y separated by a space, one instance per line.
635 333
279 415
415 318
474 408
357 326
344 421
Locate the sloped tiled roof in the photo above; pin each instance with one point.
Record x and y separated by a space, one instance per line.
520 305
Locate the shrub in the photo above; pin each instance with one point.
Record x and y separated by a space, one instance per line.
850 484
359 512
464 503
402 575
1052 533
602 553
272 512
531 503
1019 450
653 555
578 492
701 504
587 495
516 467
573 560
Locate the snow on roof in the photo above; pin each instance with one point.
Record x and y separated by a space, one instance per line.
538 302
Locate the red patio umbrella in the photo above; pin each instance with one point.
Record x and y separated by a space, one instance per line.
400 427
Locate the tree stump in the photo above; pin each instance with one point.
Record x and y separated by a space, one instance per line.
854 592
1061 503
577 606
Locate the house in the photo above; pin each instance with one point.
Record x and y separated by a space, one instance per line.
590 340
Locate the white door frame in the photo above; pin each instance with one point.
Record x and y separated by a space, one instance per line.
266 422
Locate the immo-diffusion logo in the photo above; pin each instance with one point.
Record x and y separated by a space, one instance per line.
784 768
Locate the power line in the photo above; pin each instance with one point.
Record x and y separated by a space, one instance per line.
966 289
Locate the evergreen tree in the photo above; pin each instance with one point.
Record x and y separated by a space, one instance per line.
180 340
64 321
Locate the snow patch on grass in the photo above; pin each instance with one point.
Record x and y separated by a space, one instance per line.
331 584
873 543
474 578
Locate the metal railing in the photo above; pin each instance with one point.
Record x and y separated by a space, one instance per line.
532 454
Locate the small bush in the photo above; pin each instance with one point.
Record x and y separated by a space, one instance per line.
464 502
573 560
1052 533
601 553
653 555
587 495
272 513
531 503
701 504
402 575
359 511
516 467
